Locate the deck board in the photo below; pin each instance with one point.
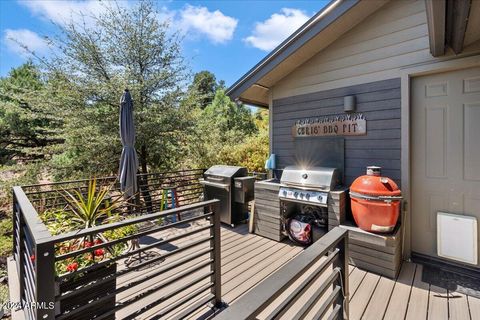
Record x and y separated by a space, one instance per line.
474 307
355 278
418 304
397 307
458 306
438 303
361 298
379 301
247 259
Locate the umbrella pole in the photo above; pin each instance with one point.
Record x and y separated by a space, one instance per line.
137 195
135 243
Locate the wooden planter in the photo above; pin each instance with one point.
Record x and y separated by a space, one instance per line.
89 296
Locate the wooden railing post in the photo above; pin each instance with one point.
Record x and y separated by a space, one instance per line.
215 255
342 264
45 280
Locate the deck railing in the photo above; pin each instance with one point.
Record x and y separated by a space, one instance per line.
178 270
312 285
151 188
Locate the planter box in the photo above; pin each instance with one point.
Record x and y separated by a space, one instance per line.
95 291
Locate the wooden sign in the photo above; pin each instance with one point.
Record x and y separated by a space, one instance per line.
347 125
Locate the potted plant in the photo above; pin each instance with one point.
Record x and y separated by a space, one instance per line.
83 211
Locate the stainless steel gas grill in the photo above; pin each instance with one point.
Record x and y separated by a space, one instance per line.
232 187
305 201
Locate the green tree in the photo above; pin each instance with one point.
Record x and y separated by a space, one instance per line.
219 130
204 86
253 150
121 48
230 116
28 126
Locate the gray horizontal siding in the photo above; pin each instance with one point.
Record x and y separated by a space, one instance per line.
378 101
340 92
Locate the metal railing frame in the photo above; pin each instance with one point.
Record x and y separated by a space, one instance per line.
38 284
333 246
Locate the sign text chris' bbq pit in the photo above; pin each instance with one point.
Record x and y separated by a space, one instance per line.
347 125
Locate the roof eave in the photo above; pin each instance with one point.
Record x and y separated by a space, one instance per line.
310 29
436 22
447 24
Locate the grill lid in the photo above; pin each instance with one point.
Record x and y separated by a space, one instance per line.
371 186
315 177
226 171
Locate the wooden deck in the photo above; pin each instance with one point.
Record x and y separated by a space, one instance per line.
407 297
247 259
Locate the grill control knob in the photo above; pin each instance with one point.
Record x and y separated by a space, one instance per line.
295 194
320 198
301 195
284 193
307 196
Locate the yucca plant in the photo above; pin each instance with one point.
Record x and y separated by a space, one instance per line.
85 210
88 209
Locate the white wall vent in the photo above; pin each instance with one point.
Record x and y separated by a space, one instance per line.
457 237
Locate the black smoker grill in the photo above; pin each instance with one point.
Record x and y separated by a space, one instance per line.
232 187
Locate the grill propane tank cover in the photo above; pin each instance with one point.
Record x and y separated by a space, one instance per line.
375 201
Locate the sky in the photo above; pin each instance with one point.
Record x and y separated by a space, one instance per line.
224 37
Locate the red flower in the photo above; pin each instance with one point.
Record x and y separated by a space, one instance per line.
98 241
32 258
72 267
99 252
87 244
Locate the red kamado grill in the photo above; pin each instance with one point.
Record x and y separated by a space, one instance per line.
375 201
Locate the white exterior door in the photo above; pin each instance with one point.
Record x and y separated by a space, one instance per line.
445 142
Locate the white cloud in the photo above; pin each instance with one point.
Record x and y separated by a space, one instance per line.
216 26
166 15
193 21
271 32
63 11
16 39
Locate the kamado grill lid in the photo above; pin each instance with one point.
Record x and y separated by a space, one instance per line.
373 184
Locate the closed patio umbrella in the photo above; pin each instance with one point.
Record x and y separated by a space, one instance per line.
128 160
128 169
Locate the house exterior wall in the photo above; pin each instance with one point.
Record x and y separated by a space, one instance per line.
368 61
364 62
375 61
391 39
380 104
